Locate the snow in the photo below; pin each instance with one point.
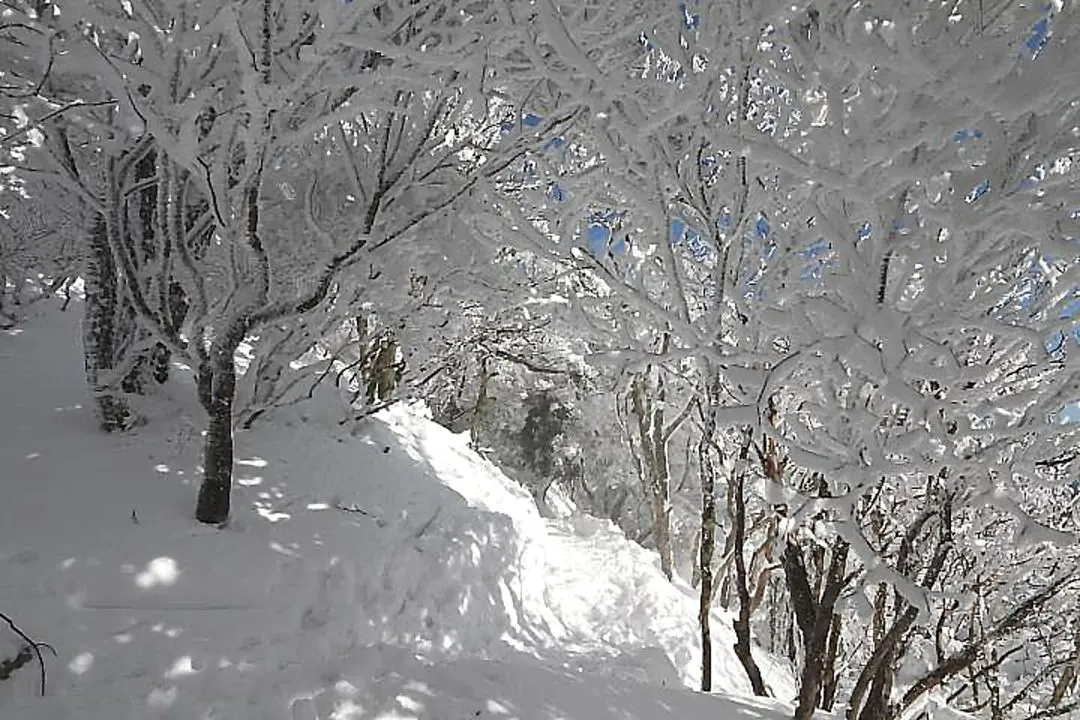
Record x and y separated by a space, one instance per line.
382 572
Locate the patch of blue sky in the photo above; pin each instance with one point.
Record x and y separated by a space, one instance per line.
761 227
600 235
678 228
606 216
864 232
812 271
819 257
1055 342
1071 309
529 120
964 134
690 19
978 191
817 249
1039 34
598 239
698 248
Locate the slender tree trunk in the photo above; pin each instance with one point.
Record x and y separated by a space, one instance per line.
870 696
829 680
101 314
814 616
653 465
877 700
101 311
708 541
218 390
695 551
662 523
483 403
742 621
660 485
140 230
728 554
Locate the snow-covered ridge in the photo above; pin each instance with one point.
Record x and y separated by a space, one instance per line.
583 585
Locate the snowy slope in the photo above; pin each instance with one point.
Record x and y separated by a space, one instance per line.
386 573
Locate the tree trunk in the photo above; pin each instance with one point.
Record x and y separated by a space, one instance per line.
802 601
141 233
876 706
814 616
742 621
723 592
870 696
875 681
695 551
708 541
829 680
653 465
101 315
662 523
483 403
218 390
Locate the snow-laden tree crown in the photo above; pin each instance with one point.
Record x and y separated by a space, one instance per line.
789 290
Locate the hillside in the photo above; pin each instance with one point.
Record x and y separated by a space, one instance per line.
386 572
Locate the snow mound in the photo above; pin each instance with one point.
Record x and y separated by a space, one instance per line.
385 573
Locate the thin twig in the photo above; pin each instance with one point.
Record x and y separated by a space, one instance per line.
33 645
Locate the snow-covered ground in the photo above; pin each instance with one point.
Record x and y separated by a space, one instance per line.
382 573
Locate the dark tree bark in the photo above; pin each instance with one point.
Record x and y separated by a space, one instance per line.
870 698
705 557
101 314
648 404
829 680
742 620
217 388
963 658
707 471
142 237
814 616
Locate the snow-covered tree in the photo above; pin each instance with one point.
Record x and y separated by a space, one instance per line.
860 234
304 137
37 253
